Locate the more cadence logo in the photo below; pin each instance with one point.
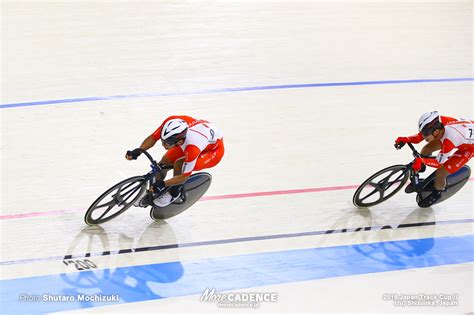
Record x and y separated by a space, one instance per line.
238 299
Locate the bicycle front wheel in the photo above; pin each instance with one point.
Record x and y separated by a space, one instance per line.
116 200
381 186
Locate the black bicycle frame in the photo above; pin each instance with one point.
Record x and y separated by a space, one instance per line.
155 169
415 177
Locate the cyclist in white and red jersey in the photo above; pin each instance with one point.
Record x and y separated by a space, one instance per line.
444 134
191 144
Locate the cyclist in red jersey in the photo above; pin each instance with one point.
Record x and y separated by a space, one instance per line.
191 144
443 134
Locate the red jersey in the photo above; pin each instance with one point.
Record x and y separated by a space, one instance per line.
458 133
202 137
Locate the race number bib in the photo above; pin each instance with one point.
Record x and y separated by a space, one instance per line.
470 132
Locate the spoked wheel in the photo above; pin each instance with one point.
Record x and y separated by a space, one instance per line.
115 200
381 186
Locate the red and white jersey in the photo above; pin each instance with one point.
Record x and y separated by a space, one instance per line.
458 134
201 137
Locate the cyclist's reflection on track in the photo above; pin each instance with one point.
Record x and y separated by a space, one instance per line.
370 237
134 283
130 282
410 250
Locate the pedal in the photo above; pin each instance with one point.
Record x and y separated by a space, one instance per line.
414 188
409 189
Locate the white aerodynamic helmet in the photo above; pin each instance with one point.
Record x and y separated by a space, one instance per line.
173 131
428 123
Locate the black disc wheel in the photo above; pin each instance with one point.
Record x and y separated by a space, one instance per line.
194 188
454 183
381 186
115 200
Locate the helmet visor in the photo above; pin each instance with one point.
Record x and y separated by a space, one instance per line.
430 128
173 140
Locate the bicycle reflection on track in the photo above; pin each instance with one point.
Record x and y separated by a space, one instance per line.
146 280
130 282
418 242
361 224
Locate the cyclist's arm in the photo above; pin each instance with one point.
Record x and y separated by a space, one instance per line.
442 156
148 142
416 138
192 153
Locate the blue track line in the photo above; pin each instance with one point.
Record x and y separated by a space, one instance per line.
227 90
182 278
234 240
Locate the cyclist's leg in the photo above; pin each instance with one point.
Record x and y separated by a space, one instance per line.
177 170
175 157
178 166
427 150
456 161
440 184
452 165
440 178
205 160
170 158
210 158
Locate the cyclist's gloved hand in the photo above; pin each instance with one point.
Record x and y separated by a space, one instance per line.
417 164
134 154
400 142
158 186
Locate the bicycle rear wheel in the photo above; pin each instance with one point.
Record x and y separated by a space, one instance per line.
115 200
194 188
381 186
454 183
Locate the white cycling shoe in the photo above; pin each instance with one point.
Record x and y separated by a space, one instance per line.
165 199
